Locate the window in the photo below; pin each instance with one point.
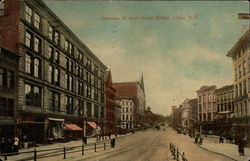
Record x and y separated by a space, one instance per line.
51 53
102 75
66 45
70 65
54 103
50 74
57 77
69 104
56 37
88 91
77 86
28 13
57 57
88 63
28 39
27 63
10 79
70 49
37 68
81 88
66 81
37 44
70 83
96 70
33 95
51 30
77 54
36 20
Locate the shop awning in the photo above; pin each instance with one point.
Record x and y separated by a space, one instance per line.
93 125
72 127
55 119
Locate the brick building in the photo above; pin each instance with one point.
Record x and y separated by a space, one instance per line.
8 94
60 81
109 116
131 95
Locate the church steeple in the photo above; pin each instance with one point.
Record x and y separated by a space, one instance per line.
142 82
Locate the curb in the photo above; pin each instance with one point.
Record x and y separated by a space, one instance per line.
217 153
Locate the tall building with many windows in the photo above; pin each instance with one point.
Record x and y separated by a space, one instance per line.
206 107
225 110
61 82
240 54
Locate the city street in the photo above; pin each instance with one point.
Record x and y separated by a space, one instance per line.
143 146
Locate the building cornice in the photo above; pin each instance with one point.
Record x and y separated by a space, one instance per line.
244 38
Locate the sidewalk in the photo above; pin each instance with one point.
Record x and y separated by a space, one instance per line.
55 146
227 149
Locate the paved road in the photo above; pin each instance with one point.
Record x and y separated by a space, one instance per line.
143 146
152 146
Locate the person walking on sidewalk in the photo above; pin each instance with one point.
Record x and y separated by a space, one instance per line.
241 147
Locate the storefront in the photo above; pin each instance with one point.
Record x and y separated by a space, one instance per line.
73 131
55 128
93 129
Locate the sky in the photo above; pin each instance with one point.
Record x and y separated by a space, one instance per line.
178 46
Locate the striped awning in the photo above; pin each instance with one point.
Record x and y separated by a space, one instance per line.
72 127
93 125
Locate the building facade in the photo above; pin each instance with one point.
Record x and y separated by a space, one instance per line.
185 109
206 108
240 54
225 110
8 94
60 80
193 114
127 113
109 116
136 92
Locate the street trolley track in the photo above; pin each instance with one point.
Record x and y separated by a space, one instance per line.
119 151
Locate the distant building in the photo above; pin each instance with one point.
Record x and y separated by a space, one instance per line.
240 54
175 117
118 116
109 115
225 110
134 91
206 108
127 112
193 114
185 109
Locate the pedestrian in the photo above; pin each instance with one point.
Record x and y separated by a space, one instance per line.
196 139
16 145
220 139
240 147
201 140
109 135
